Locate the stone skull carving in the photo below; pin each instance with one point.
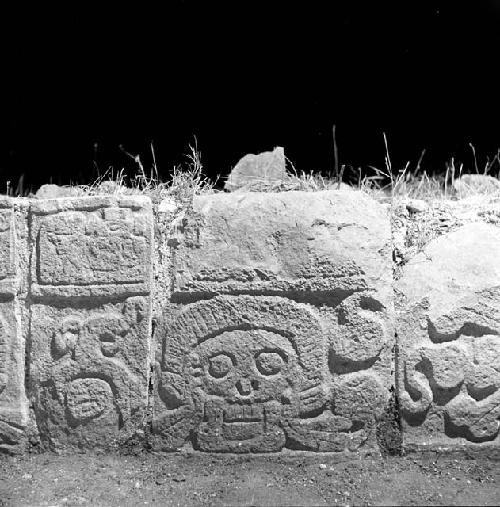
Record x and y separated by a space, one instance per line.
234 368
242 378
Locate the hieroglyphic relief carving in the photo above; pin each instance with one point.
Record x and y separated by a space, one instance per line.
90 371
454 376
250 374
91 318
93 246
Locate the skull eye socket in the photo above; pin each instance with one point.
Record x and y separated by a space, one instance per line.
269 363
220 365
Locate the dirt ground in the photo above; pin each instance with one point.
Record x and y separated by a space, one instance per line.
285 479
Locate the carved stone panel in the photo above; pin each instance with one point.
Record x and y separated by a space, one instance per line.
13 321
91 246
89 371
90 319
449 330
278 331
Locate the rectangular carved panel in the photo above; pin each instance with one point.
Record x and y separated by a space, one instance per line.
93 246
89 367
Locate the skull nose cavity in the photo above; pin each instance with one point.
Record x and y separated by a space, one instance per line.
244 387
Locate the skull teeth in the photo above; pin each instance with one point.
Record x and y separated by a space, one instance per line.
245 413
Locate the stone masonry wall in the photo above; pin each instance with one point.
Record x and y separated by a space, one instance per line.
248 323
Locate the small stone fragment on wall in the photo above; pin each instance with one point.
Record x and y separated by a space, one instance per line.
258 171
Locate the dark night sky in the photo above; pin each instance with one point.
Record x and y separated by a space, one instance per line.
244 77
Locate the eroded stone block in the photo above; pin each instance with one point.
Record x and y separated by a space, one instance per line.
448 324
13 250
278 331
314 243
90 319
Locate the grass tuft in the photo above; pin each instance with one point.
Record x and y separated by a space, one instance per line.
187 180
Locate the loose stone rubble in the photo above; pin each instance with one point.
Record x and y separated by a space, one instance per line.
248 322
265 168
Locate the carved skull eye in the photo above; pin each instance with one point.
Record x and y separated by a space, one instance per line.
269 363
220 365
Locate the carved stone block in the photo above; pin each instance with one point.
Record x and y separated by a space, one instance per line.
13 320
91 246
448 326
89 371
278 330
90 319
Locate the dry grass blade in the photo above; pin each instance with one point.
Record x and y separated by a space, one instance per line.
187 180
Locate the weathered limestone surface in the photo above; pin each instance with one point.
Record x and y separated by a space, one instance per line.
13 323
278 329
90 318
448 324
313 243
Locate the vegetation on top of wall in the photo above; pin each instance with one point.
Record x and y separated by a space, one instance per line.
187 180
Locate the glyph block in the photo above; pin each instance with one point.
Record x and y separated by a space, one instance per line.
90 318
278 331
95 246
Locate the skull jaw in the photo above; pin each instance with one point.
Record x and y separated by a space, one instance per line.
240 438
241 429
